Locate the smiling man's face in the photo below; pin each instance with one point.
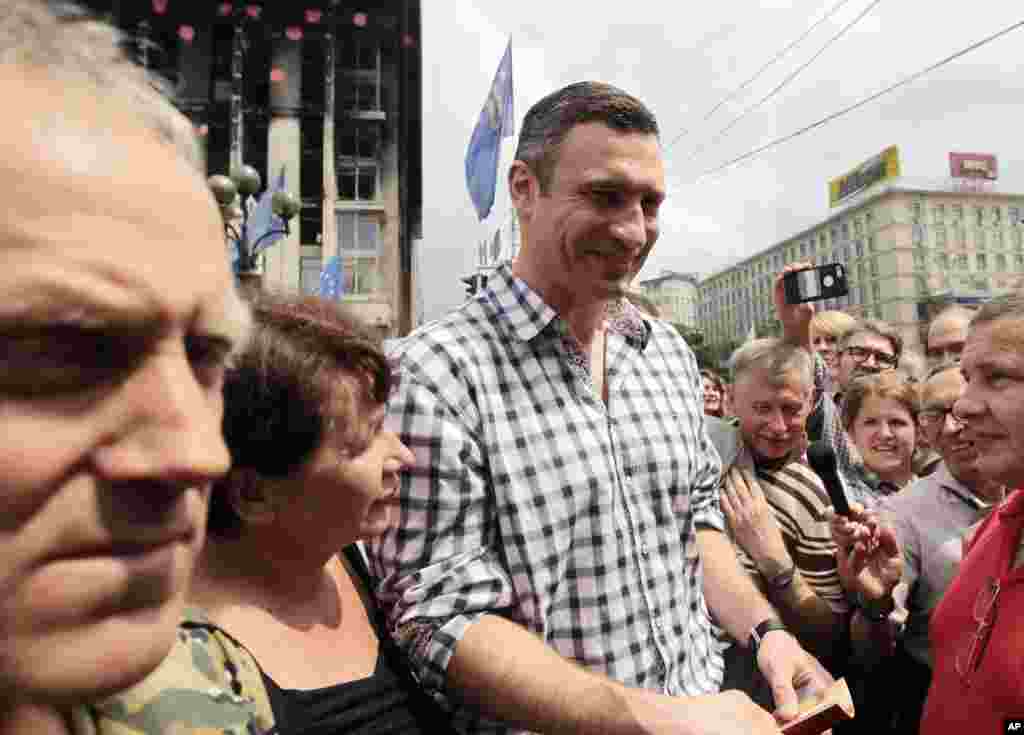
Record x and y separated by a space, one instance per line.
993 401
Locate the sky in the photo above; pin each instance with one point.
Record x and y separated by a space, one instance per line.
682 64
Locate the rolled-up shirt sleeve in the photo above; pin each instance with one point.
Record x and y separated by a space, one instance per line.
437 570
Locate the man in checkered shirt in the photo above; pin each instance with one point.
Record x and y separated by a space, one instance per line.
559 544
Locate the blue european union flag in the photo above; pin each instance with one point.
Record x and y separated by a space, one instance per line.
330 279
484 149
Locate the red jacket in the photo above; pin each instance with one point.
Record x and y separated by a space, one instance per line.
996 689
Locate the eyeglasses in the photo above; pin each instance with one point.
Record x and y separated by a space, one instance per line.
930 417
860 355
969 659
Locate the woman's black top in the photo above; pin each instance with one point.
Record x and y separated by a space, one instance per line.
388 701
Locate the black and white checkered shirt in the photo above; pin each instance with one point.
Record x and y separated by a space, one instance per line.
529 498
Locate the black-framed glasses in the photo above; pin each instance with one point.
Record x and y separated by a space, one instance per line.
860 355
936 416
968 660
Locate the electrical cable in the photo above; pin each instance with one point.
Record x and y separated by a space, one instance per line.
832 11
782 85
850 108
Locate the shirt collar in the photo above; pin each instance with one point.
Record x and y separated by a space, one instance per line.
956 489
525 314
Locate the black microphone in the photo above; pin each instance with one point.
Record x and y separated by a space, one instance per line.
822 459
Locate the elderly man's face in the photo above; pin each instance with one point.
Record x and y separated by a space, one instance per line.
117 311
993 402
771 410
941 428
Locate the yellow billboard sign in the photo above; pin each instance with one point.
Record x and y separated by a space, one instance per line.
884 166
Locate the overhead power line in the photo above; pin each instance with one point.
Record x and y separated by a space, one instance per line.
757 75
784 83
857 105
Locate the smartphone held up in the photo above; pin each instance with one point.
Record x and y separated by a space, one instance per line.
815 284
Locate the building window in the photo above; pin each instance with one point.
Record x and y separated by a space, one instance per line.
961 261
997 239
871 243
982 262
868 218
359 244
958 212
979 216
941 260
859 245
876 291
961 235
918 259
939 213
1001 262
1018 239
980 240
309 273
874 267
915 212
860 272
846 230
940 236
359 84
358 150
1019 258
1014 216
921 286
997 215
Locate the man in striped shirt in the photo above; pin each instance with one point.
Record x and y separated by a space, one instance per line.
776 506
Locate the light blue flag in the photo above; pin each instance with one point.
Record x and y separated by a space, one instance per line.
484 149
330 279
262 218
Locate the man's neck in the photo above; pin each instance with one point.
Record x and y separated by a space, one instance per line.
984 490
583 315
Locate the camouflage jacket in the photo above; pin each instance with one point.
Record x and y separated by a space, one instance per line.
209 684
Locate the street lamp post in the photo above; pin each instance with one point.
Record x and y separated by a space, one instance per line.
233 194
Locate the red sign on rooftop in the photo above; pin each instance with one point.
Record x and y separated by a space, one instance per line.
973 166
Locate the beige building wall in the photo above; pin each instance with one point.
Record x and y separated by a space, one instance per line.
901 247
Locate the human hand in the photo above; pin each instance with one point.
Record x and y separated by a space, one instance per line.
795 318
792 673
753 523
868 553
728 713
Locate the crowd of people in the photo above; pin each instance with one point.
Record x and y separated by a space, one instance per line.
237 514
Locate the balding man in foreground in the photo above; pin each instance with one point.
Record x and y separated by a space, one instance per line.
116 318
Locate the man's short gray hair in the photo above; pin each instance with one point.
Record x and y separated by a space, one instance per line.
80 50
773 356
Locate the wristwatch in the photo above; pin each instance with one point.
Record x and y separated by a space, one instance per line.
782 580
759 631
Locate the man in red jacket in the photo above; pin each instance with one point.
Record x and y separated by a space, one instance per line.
977 631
